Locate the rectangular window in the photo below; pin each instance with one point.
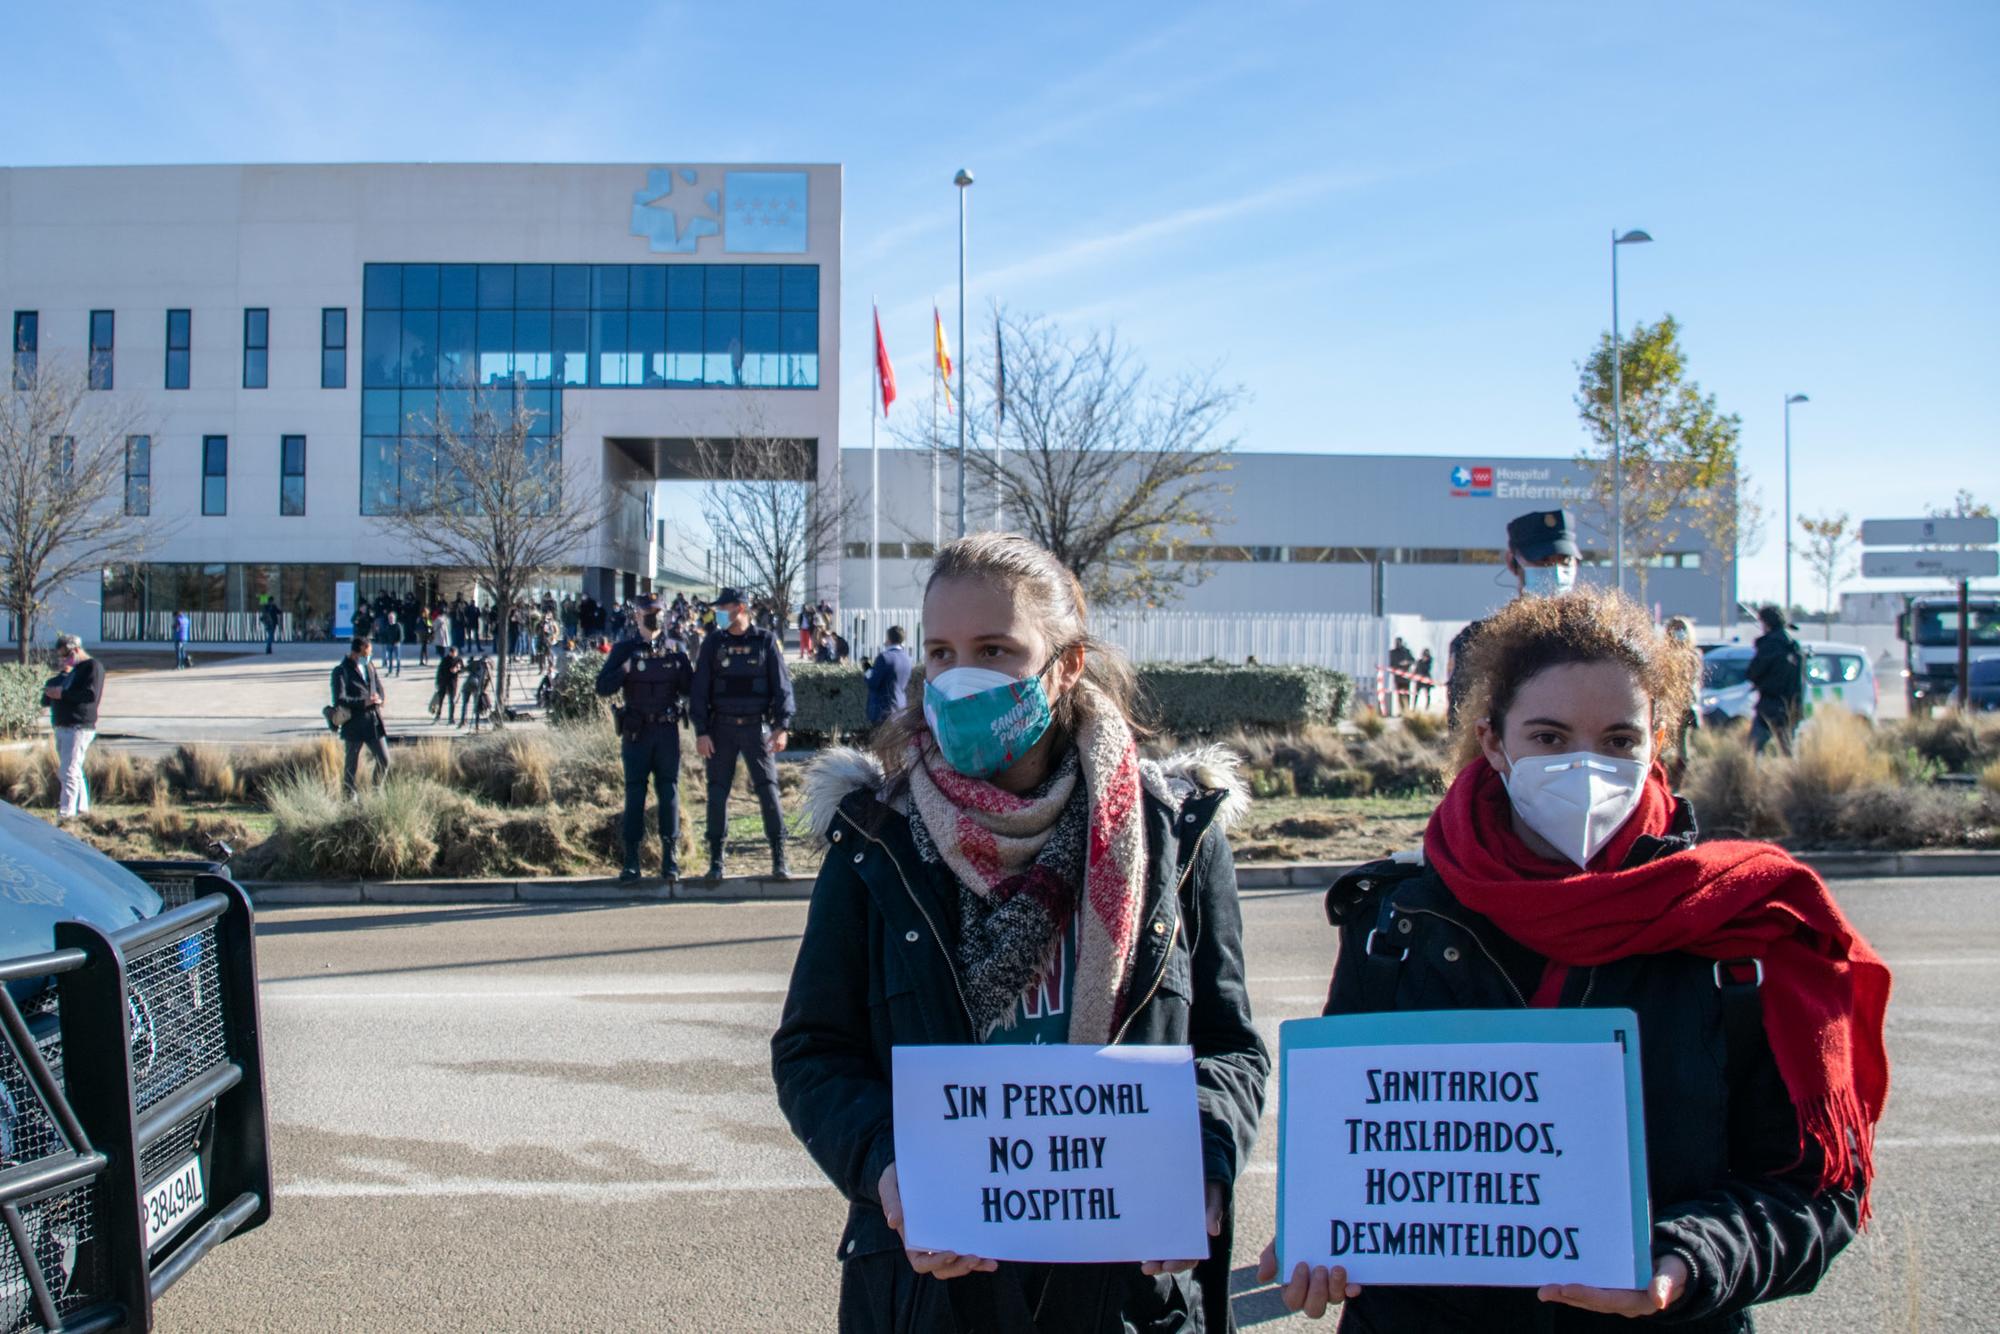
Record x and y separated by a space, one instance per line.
215 474
333 348
292 474
102 327
27 347
180 334
138 474
256 348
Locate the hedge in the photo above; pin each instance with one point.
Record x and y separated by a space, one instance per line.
1201 697
1189 698
22 708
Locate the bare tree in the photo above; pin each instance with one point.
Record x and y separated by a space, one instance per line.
1678 451
1734 524
1120 475
1829 553
64 512
764 505
491 500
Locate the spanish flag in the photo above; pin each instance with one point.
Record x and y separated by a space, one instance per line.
943 356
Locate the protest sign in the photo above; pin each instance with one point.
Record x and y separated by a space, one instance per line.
1501 1148
1054 1153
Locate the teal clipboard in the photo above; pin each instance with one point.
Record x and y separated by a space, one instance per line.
1421 1027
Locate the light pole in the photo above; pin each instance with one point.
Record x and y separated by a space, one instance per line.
1789 400
964 183
1633 237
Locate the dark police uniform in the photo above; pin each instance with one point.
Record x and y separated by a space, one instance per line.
740 684
655 677
1534 536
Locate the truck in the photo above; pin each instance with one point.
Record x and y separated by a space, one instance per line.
1929 629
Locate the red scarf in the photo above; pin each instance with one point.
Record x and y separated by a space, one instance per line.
1825 989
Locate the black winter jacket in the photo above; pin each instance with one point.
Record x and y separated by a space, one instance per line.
1731 1194
1777 670
877 969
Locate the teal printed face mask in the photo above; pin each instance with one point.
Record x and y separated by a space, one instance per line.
985 720
1546 581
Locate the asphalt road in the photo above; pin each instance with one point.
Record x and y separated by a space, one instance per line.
512 1118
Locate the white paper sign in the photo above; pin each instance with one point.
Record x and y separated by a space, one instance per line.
343 608
1052 1153
1495 1163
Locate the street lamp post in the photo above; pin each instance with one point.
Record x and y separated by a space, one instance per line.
964 183
1633 237
1789 400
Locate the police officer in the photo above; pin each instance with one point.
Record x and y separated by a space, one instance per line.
740 684
654 676
1543 557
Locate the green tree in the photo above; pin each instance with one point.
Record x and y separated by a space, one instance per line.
1680 451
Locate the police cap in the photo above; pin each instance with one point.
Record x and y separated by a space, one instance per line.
729 595
1542 534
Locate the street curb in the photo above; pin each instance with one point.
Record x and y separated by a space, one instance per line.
1254 876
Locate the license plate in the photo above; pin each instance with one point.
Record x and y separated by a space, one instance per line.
177 1198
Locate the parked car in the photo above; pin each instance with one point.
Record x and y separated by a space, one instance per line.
132 1126
1835 673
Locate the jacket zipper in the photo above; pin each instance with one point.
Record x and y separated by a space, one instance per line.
950 966
1166 955
1523 1000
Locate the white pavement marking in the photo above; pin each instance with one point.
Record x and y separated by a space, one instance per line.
605 1191
1938 1142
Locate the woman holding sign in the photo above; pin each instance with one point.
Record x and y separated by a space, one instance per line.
1005 868
1560 870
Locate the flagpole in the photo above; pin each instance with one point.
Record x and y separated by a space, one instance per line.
999 418
963 181
875 488
937 487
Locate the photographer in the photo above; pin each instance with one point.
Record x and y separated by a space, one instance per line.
654 676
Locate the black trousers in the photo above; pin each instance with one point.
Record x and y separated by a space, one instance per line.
654 755
747 740
374 745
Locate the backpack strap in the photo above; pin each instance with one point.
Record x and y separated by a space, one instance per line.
1740 982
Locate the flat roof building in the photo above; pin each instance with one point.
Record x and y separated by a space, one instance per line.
287 335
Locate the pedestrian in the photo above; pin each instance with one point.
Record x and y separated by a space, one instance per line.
183 632
568 614
1066 891
1402 663
425 629
357 690
1777 671
888 678
391 633
268 614
1681 631
654 677
1561 871
808 619
741 705
444 696
474 698
73 695
1420 688
1543 558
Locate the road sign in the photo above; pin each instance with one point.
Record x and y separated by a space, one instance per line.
1930 564
1920 532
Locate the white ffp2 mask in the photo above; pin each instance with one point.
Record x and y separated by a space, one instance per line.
1575 801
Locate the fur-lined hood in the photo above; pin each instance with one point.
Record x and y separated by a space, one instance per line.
840 771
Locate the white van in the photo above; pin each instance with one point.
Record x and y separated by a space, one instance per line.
1835 673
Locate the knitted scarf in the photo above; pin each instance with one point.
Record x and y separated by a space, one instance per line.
1825 989
1027 864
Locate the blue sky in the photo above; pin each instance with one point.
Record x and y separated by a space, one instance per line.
1389 223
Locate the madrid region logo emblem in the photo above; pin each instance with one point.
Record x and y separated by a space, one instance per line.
754 212
1471 481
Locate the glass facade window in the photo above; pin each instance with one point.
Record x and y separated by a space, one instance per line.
215 474
256 348
27 347
333 347
292 474
103 328
180 337
138 474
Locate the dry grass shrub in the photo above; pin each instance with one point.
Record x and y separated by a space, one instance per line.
205 771
1429 728
391 830
27 775
1956 742
1733 792
1989 778
1370 723
1832 758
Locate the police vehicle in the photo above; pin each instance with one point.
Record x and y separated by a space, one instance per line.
132 1128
